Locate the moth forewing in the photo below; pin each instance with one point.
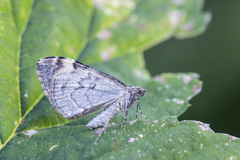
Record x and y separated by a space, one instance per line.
76 90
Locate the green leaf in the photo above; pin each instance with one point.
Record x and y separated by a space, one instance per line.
150 22
165 139
10 110
111 37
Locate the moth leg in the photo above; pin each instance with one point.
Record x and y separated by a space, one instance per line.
126 112
137 109
102 119
125 118
100 131
138 106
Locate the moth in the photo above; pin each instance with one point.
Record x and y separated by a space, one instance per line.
76 90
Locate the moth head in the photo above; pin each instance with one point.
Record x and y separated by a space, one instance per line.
140 91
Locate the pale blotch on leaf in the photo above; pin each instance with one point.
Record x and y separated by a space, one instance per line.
143 26
166 86
71 49
25 95
132 122
188 26
158 78
232 157
167 100
196 76
186 79
180 102
196 90
208 17
178 2
99 4
107 11
104 34
30 133
204 126
131 139
138 72
107 54
175 17
162 125
133 19
53 147
232 137
130 4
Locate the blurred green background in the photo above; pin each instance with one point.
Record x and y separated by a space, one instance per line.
215 55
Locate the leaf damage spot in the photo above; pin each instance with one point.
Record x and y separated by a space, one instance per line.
180 102
196 90
30 133
232 157
158 78
131 139
71 49
186 79
138 72
175 17
188 26
133 18
143 26
156 121
141 135
104 34
178 2
162 125
53 147
208 17
232 137
204 126
107 54
132 122
196 76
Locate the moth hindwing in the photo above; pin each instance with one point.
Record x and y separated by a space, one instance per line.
76 90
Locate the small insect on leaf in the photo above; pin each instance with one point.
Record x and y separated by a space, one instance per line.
76 90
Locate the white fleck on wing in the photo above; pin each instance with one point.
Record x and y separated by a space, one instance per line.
75 89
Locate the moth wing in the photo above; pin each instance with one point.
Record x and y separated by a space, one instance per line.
76 89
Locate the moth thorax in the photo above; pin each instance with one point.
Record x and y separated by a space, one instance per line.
140 91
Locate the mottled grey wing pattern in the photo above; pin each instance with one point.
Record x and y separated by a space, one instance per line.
75 89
